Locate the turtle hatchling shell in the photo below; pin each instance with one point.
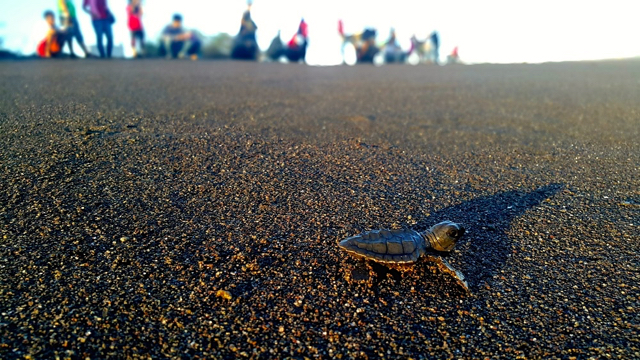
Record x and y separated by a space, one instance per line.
386 246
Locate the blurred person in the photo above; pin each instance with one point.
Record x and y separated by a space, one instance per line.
245 45
102 20
297 47
348 49
347 39
52 44
276 48
367 48
453 58
435 47
418 52
364 44
392 51
178 42
134 21
341 30
69 23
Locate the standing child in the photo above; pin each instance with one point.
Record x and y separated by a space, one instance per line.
51 46
134 11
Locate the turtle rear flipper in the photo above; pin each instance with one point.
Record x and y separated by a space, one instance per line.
366 270
445 267
381 272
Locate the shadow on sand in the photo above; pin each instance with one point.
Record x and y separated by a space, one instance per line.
485 247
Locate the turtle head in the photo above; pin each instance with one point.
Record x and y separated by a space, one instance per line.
445 235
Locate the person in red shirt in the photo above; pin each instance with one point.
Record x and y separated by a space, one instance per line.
134 11
454 58
102 20
297 46
51 46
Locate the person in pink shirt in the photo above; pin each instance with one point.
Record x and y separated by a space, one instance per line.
102 20
134 12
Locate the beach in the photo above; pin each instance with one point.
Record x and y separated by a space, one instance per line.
180 209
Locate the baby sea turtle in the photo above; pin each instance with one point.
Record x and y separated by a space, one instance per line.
399 248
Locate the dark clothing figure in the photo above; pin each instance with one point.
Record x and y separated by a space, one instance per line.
180 49
137 36
276 48
102 21
177 48
103 29
368 49
70 26
435 50
245 45
297 54
179 43
296 48
72 31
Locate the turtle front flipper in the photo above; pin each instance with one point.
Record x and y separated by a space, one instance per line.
445 267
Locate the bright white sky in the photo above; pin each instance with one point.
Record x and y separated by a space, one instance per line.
500 31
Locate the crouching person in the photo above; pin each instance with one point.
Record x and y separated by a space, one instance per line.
51 46
178 42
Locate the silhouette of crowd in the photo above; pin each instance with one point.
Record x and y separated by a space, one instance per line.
178 42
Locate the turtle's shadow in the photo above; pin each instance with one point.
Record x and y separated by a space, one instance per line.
486 246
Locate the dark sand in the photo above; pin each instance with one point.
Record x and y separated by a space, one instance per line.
133 192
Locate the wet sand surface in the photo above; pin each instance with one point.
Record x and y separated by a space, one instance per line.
180 209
